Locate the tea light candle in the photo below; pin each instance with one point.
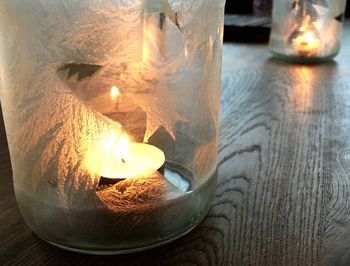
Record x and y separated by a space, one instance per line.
132 159
113 156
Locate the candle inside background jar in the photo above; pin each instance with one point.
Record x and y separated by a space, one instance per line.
305 40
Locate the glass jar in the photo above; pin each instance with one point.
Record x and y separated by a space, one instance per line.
306 30
111 114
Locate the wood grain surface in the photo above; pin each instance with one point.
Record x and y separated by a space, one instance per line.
284 174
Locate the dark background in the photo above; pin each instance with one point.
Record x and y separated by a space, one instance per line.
246 7
239 7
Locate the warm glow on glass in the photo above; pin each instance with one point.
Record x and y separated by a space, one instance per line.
306 41
146 44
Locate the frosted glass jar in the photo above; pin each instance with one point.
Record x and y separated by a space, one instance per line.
111 113
306 30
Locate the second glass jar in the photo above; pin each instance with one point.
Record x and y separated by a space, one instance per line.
306 30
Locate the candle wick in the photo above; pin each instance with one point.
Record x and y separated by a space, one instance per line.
123 160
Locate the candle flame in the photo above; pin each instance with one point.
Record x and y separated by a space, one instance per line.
111 150
115 93
117 145
122 152
307 42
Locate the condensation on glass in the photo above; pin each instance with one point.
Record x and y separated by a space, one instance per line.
306 30
111 114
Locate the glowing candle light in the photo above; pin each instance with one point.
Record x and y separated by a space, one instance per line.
115 93
306 41
116 157
132 159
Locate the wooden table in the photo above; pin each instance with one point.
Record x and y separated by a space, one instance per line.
284 175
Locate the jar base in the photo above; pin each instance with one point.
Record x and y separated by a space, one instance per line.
100 234
302 59
131 250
